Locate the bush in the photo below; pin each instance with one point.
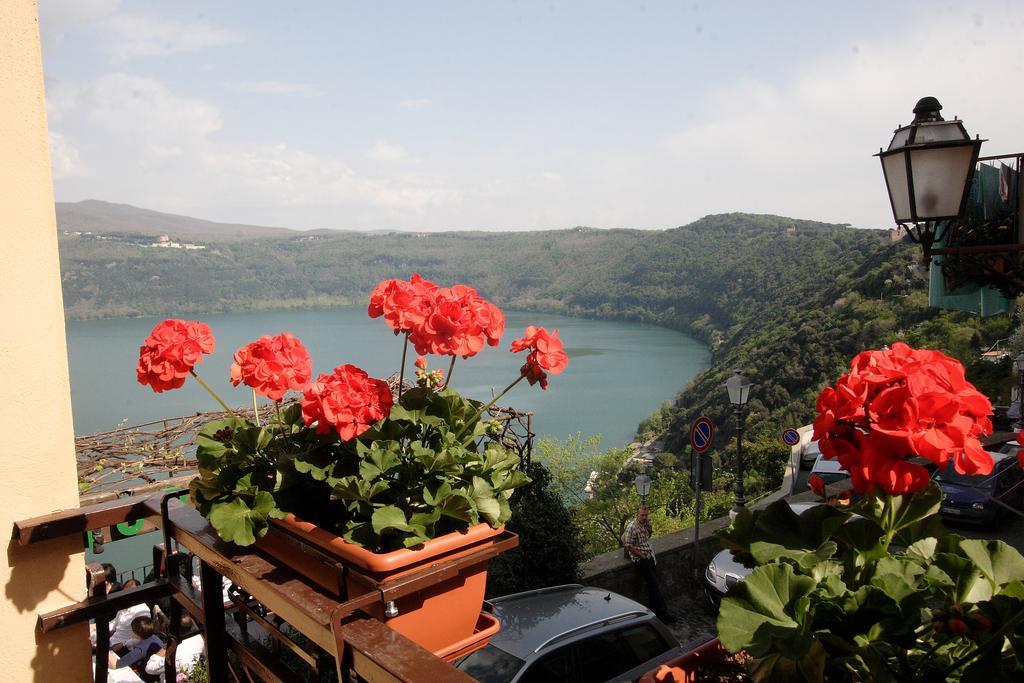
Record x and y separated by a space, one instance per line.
549 547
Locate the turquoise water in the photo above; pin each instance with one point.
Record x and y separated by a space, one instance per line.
618 372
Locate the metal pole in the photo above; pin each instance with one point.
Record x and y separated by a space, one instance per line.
741 500
1020 399
697 457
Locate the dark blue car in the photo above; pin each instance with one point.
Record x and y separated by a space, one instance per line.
982 498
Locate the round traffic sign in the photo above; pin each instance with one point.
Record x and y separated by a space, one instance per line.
790 437
701 434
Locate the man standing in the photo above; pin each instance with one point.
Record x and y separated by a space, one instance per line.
637 541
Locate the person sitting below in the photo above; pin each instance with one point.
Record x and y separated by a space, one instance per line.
186 654
113 585
146 644
121 635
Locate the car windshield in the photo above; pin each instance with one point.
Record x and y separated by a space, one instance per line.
490 665
982 482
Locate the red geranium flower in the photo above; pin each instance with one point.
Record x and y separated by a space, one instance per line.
170 352
272 366
348 400
816 484
460 323
404 305
547 355
900 403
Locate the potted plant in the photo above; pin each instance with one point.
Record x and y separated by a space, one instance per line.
876 589
384 481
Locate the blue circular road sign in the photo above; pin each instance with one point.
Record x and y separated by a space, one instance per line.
701 434
790 437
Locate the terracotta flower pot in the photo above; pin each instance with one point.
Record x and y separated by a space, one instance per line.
444 616
684 668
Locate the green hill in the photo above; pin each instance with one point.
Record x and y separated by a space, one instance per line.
788 301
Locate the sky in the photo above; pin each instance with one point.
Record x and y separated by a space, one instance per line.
524 115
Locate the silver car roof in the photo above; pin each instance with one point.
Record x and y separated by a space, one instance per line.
535 620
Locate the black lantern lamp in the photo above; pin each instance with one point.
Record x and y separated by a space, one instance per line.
928 171
739 393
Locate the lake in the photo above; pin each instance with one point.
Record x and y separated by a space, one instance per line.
618 373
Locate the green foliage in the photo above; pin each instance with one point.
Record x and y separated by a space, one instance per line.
875 591
422 472
549 551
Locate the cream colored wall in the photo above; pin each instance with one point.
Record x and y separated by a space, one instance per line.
37 464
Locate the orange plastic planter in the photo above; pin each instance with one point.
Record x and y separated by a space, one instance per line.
444 616
684 668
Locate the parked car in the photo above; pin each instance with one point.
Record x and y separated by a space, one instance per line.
972 498
723 571
830 471
571 633
809 455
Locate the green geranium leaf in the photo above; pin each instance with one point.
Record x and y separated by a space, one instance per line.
766 612
439 494
389 517
382 458
898 578
239 523
969 584
998 562
902 511
486 503
459 505
779 669
923 550
215 439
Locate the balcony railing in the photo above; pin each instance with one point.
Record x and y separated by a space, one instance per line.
336 632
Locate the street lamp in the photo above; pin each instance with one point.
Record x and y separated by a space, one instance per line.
928 169
1019 362
739 394
643 487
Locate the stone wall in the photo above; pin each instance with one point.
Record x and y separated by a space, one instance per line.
677 554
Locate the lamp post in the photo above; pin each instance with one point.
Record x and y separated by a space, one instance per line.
928 169
739 394
1019 362
643 487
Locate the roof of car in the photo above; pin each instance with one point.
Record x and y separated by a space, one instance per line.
823 464
532 619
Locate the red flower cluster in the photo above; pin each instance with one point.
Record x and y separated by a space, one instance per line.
546 355
348 400
404 305
272 366
453 321
171 351
900 403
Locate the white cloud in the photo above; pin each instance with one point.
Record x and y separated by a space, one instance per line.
58 17
383 150
65 159
804 148
279 88
422 103
136 35
151 147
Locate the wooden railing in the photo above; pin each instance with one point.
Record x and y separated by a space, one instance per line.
339 634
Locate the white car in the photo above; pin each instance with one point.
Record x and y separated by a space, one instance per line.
723 571
809 454
830 471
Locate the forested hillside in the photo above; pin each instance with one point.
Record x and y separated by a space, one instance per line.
787 301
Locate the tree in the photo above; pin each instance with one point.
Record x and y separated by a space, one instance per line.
549 551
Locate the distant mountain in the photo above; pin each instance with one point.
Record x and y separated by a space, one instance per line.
93 215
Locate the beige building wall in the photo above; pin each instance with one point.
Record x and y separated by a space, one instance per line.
37 464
